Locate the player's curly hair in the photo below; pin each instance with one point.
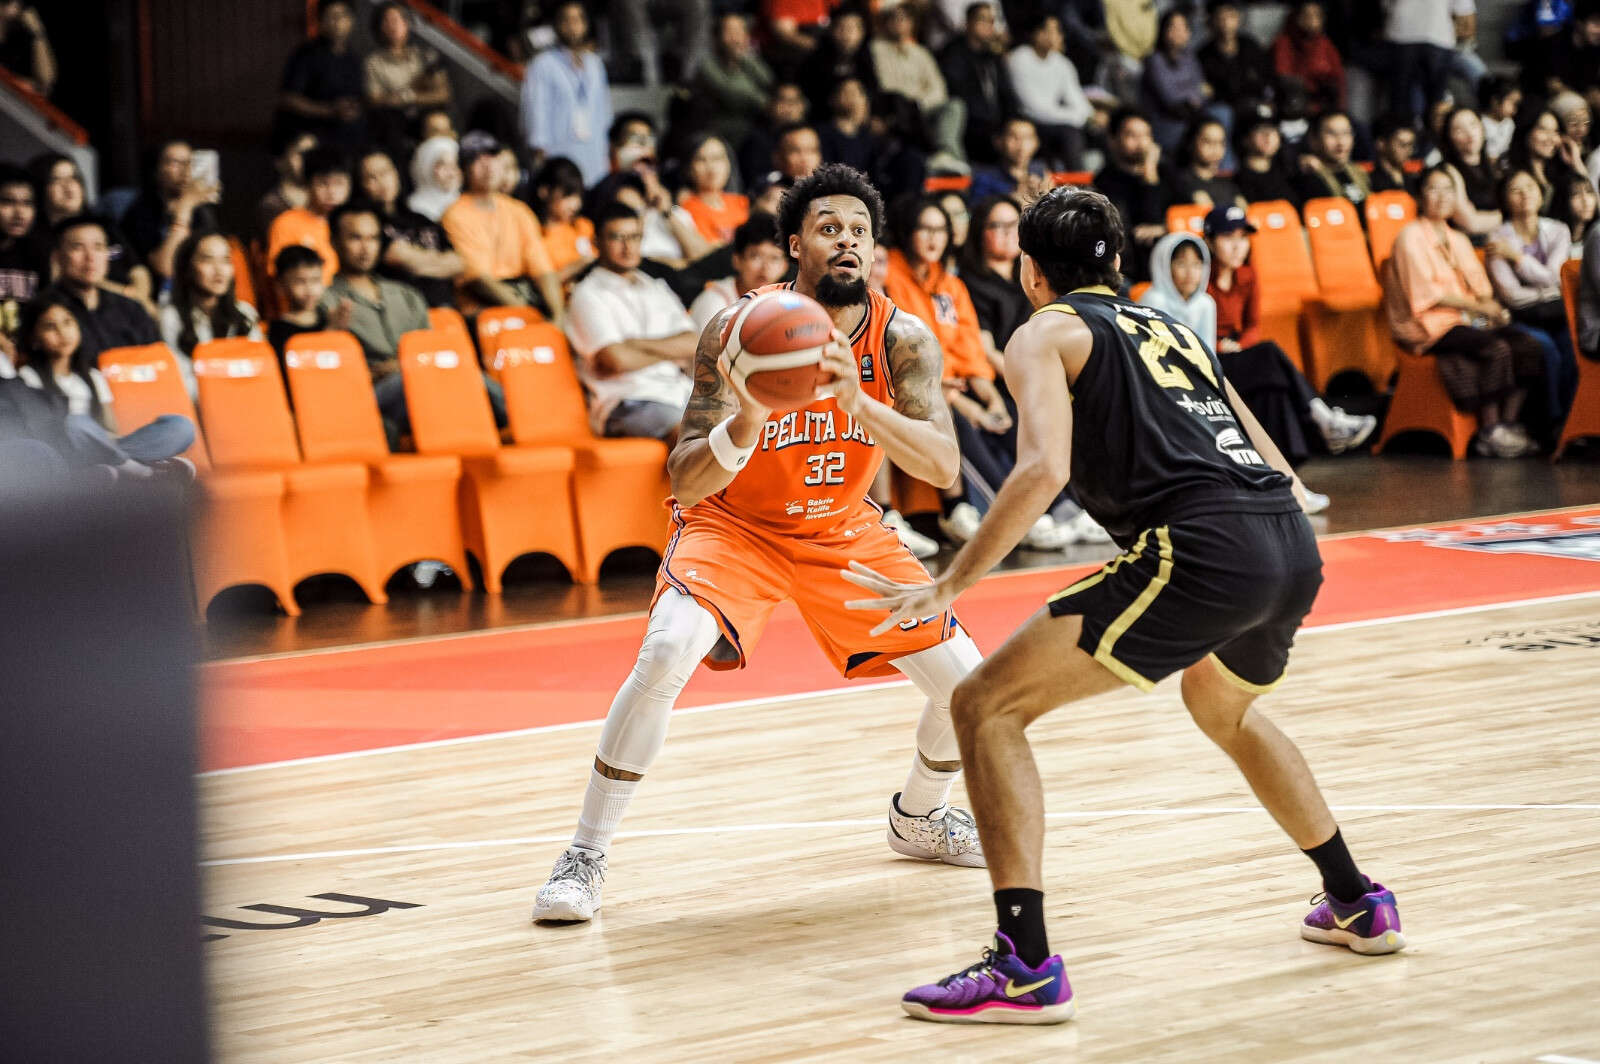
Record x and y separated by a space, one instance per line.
830 179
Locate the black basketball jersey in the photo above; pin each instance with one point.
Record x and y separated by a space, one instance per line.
1154 439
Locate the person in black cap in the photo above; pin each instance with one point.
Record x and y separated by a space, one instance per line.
1279 394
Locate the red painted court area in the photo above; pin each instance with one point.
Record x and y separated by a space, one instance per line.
478 683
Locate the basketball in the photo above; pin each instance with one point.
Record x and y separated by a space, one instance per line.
773 348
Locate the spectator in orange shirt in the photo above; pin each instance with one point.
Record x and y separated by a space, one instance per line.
558 201
328 187
921 283
499 239
708 167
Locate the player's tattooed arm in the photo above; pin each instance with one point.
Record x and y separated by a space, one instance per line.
693 468
916 433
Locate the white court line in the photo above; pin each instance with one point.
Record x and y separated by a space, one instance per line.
570 622
745 703
805 825
1557 1058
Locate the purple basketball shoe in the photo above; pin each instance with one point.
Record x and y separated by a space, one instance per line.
998 989
1368 925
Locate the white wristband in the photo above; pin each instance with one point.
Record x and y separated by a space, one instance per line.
729 455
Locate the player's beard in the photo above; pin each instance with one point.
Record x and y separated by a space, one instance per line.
835 293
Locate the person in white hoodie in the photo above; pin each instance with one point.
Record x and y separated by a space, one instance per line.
1179 267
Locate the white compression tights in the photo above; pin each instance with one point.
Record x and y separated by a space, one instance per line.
936 671
681 633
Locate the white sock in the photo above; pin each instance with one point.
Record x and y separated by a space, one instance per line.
1321 414
603 805
925 790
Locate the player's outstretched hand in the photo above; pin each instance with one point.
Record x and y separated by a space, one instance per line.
903 602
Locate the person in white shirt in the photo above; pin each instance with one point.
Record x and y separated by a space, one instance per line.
758 259
1425 34
633 340
1051 95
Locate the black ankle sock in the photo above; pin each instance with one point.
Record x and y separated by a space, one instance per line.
1339 875
1021 913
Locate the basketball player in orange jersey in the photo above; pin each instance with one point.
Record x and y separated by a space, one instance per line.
771 506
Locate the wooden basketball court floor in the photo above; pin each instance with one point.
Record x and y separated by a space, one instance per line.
378 819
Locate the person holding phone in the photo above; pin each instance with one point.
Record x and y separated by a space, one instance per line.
177 203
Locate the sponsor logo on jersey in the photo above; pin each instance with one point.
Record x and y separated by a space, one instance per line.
1232 443
866 369
1211 409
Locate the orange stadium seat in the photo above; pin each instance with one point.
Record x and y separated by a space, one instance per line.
244 285
947 183
1344 327
1420 402
411 498
1137 292
514 500
1284 272
1585 417
495 319
1076 178
619 486
146 384
1387 214
1187 218
448 318
238 532
249 428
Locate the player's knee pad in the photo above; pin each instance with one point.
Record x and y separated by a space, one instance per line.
937 670
681 633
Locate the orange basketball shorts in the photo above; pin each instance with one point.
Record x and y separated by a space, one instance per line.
740 573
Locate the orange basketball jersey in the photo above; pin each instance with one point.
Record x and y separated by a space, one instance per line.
814 465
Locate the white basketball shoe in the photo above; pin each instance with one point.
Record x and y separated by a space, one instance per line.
572 894
947 834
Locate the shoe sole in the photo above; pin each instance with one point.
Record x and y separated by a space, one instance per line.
559 913
996 1012
1388 942
909 849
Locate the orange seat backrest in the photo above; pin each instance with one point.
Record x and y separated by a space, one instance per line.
1339 250
544 400
445 396
244 285
334 408
1187 218
243 405
1571 277
1076 178
947 183
495 319
448 318
1387 214
1279 253
145 384
1137 292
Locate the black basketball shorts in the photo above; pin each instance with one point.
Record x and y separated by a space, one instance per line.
1233 585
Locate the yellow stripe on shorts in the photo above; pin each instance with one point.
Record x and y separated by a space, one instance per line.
1104 571
1104 653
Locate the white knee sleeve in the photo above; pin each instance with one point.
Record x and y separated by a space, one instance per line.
936 671
681 633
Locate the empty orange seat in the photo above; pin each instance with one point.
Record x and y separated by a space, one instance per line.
514 500
494 320
1187 218
1585 417
237 535
1284 272
411 498
619 486
248 428
1344 330
244 286
1387 213
1075 178
448 318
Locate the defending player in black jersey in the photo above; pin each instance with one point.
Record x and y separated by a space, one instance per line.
1220 568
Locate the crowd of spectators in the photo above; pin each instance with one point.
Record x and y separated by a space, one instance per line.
627 230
